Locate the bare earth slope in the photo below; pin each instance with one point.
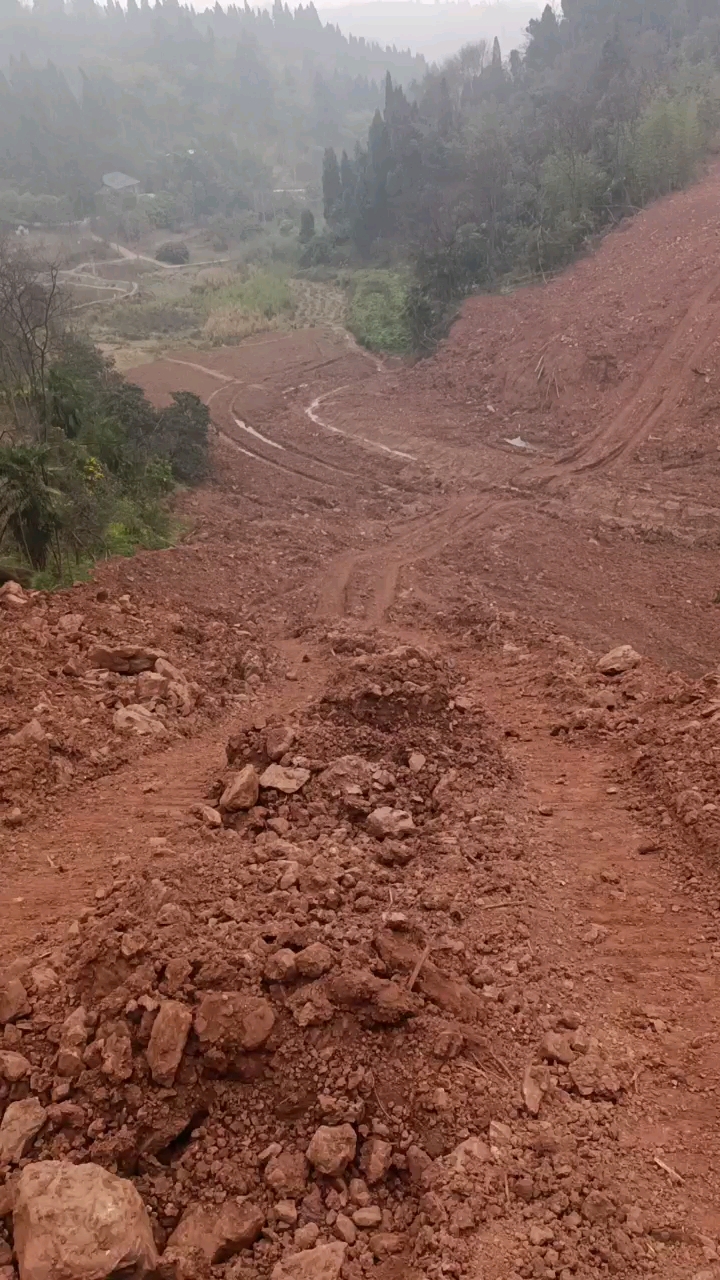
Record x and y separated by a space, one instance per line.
519 949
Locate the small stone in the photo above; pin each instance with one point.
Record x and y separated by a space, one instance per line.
384 822
370 1216
278 778
358 1192
539 1234
21 1122
594 1078
416 762
324 1262
167 1041
332 1148
77 1222
281 966
618 661
314 961
241 791
546 810
73 1039
137 718
14 1002
472 1151
375 1159
124 659
117 1061
345 1229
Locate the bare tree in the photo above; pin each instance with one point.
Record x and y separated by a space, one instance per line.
31 310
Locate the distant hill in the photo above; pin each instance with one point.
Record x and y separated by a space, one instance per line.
435 30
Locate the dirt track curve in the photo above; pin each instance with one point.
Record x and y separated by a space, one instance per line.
416 569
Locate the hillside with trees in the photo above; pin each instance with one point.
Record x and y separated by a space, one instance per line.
501 168
210 108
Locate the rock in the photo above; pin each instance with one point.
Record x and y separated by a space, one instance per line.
13 1000
241 791
287 1173
32 732
596 1207
556 1048
21 1122
305 1237
618 661
138 719
44 979
369 1216
218 1233
324 1262
400 955
418 1161
211 817
13 1066
79 1222
281 966
332 1148
416 762
116 1057
594 1078
73 1039
151 685
233 1020
536 1082
125 659
286 1211
345 1229
314 961
375 1159
384 822
500 1134
286 780
278 741
472 1151
167 1041
385 1243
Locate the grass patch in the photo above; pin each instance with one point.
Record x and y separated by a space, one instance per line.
377 315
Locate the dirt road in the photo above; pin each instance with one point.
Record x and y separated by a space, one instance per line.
417 559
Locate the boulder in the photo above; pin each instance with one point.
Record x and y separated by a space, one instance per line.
233 1020
124 659
21 1122
167 1041
241 791
332 1148
218 1233
384 822
324 1262
618 661
286 780
13 1066
13 1000
79 1222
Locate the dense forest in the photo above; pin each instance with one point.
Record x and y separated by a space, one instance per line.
214 107
500 167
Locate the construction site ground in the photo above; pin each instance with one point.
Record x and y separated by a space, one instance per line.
416 569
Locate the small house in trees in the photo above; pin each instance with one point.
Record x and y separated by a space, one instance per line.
121 183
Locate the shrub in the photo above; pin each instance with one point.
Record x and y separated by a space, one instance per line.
175 253
378 314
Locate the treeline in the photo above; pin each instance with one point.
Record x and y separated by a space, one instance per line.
200 104
504 167
86 462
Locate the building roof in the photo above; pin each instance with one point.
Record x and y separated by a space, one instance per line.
119 181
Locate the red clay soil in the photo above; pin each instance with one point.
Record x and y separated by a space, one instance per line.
472 897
